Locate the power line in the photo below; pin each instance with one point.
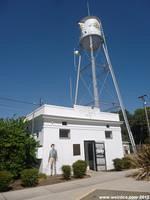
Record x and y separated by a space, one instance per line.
11 107
20 101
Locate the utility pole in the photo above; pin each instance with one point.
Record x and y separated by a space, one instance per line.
146 113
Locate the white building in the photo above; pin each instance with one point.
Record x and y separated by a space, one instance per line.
80 132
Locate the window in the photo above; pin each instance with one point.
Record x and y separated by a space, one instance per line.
64 133
76 149
64 123
108 134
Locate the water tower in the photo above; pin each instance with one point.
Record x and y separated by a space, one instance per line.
92 45
91 39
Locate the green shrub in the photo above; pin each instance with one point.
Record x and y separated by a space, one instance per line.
124 163
118 164
127 163
79 168
5 179
66 169
42 176
29 177
18 148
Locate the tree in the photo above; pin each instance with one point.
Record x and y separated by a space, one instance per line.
138 125
125 136
18 147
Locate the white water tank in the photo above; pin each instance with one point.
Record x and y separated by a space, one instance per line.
90 26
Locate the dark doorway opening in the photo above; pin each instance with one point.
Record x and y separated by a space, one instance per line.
90 154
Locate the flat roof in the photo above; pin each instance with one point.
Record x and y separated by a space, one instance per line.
75 112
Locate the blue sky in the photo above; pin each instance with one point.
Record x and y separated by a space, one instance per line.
37 38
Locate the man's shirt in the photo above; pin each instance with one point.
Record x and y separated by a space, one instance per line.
53 154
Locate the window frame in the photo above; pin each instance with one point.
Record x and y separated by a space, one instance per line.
78 151
111 134
64 129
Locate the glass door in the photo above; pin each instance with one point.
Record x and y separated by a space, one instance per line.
100 156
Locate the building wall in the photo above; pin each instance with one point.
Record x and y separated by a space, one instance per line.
78 134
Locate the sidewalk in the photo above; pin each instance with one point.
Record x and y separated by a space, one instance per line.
74 190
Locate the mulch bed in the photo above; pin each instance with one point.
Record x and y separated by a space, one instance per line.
17 185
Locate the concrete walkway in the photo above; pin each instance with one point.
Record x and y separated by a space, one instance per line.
75 190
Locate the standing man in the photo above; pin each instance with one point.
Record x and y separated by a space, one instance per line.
52 159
